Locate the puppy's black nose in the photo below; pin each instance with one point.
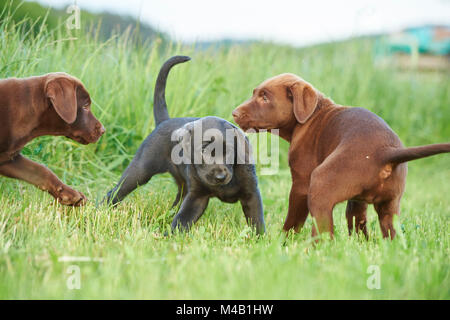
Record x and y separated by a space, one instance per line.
220 177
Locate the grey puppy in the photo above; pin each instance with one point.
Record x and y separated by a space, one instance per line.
197 181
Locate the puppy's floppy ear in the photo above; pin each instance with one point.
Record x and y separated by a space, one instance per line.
243 148
83 98
304 100
62 94
183 135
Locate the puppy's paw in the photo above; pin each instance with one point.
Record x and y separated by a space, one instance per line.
69 197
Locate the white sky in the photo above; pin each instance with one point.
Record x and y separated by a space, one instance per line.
296 22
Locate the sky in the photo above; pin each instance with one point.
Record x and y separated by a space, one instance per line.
295 22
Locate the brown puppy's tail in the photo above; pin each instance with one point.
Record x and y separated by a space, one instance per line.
408 154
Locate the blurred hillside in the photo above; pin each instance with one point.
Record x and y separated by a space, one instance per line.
104 24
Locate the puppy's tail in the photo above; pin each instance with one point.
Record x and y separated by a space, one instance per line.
408 154
159 98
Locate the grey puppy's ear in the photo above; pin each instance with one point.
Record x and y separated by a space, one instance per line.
243 149
183 136
186 136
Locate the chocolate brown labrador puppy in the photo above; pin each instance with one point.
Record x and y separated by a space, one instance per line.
53 104
336 153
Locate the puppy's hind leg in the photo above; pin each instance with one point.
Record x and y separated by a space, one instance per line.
139 172
182 191
178 197
357 210
330 185
134 176
386 211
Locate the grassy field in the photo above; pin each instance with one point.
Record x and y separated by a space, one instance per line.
220 258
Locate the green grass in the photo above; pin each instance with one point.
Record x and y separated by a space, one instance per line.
220 257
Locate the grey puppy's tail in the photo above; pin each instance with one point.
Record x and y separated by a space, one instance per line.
159 98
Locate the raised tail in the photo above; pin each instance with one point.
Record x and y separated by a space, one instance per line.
159 97
408 154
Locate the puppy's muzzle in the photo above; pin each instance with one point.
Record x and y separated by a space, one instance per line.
236 114
220 177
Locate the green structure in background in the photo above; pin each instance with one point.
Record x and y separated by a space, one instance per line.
427 39
432 42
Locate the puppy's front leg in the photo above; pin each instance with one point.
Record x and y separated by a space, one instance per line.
191 210
253 211
40 176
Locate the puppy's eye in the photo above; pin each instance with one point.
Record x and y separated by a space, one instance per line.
265 97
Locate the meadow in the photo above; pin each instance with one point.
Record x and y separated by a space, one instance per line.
126 254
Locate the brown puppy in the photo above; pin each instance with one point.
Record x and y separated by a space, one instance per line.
336 153
53 104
